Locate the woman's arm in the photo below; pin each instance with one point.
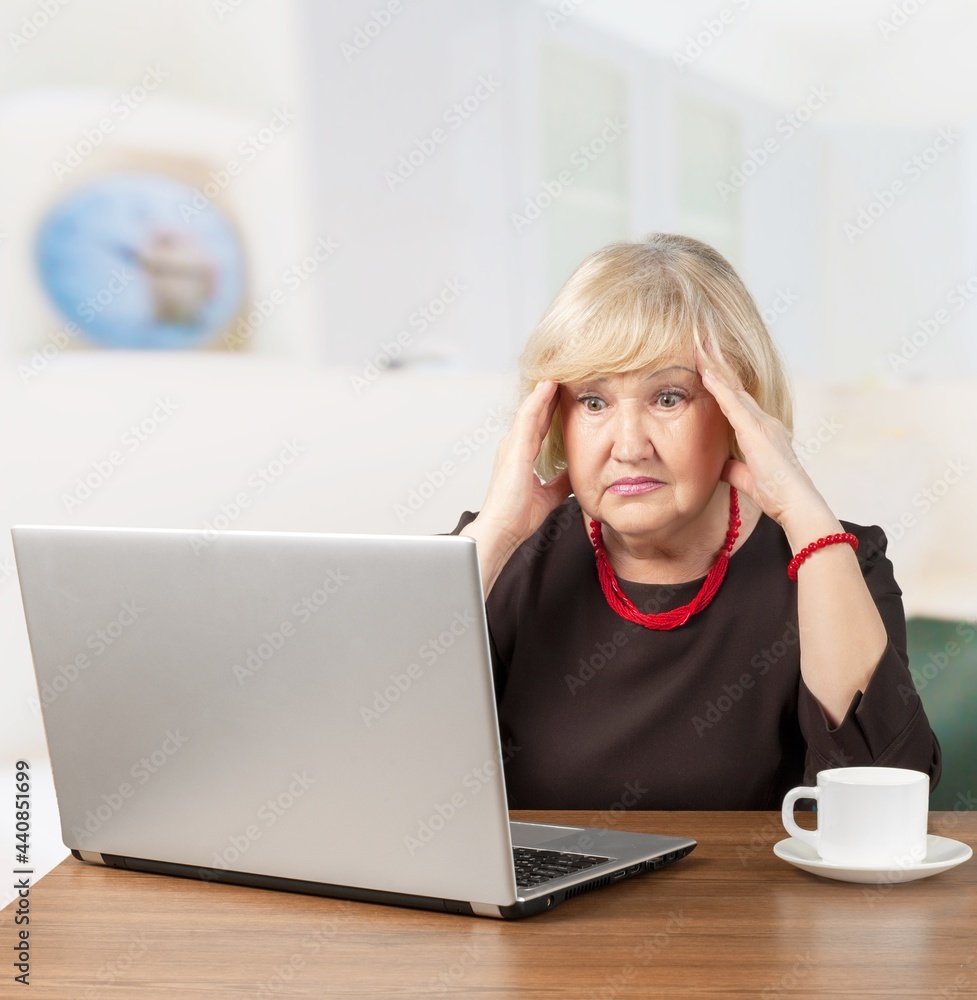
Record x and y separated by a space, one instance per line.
842 637
886 725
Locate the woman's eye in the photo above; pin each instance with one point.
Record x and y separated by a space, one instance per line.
592 404
669 400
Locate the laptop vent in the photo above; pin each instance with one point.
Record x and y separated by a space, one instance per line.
587 886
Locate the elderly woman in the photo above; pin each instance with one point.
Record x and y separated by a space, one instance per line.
678 619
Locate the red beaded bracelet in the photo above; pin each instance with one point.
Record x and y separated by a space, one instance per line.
846 537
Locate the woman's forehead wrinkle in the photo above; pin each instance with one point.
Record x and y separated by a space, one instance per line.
650 375
670 368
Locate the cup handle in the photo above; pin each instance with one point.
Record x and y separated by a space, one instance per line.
809 837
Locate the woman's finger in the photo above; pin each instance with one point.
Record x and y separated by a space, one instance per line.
519 447
532 418
549 399
738 406
558 488
738 475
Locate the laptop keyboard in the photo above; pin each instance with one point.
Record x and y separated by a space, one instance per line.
534 867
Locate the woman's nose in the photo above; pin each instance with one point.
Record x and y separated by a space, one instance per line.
632 441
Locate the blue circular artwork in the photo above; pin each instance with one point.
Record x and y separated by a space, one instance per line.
137 260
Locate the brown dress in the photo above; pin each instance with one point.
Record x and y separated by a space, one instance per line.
598 713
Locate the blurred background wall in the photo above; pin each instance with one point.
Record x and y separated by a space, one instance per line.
289 251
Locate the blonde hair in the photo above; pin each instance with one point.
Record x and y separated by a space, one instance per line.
631 305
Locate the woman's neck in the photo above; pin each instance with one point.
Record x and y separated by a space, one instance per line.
680 555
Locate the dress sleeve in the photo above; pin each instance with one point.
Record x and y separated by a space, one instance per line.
466 518
885 724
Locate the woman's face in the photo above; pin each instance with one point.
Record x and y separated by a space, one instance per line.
644 449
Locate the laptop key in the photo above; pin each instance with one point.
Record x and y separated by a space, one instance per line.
533 867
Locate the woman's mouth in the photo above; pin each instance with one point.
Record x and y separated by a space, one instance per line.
631 486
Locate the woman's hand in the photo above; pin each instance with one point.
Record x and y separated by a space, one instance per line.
517 501
771 475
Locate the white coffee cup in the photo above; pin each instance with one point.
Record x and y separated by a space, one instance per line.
868 817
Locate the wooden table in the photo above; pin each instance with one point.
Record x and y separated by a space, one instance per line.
731 920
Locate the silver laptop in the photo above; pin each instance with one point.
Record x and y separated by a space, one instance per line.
309 712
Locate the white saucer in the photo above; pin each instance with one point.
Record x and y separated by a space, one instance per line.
941 855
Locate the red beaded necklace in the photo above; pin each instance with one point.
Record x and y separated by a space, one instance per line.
620 602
